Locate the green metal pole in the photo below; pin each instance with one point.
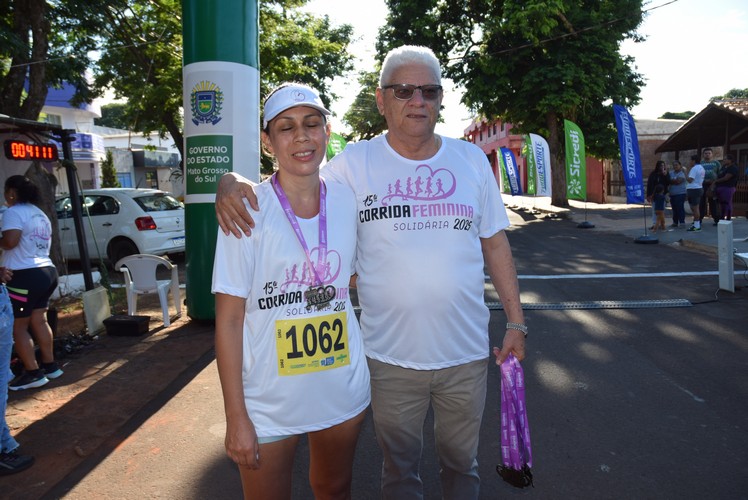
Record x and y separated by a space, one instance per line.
221 93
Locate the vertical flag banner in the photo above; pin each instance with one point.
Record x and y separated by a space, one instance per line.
512 171
576 163
505 187
631 162
335 145
542 164
531 170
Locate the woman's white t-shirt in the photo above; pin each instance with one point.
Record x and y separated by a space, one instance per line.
32 250
303 370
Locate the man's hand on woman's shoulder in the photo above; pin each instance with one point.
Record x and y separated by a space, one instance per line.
231 213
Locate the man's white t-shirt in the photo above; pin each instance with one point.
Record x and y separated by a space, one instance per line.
420 262
697 174
32 250
287 390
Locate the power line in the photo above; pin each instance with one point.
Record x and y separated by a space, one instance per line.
69 56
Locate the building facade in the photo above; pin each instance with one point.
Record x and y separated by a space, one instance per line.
151 161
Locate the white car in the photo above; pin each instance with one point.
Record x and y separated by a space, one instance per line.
122 221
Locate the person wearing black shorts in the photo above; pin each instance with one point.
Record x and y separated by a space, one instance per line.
26 240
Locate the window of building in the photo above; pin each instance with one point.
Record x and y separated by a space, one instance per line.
151 179
50 118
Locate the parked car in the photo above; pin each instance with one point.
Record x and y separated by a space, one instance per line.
122 221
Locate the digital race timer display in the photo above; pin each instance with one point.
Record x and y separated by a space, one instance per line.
20 150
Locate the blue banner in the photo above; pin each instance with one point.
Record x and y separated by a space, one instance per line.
631 162
512 171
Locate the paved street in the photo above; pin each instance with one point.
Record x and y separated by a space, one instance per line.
625 400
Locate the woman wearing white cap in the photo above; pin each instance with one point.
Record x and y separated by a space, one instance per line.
289 349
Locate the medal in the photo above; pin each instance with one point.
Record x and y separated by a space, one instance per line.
318 295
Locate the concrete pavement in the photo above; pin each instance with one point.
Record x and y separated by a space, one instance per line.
633 221
624 402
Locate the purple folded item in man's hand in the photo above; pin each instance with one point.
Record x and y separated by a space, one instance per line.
515 431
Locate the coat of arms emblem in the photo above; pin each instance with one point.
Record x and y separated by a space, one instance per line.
206 102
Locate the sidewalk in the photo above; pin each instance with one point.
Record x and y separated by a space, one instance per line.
631 221
106 389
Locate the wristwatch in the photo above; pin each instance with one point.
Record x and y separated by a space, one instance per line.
517 326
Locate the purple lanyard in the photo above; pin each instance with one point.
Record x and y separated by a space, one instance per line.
515 430
322 249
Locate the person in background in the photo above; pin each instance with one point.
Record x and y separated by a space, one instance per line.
430 217
658 202
724 186
292 278
678 194
708 198
695 191
26 240
11 461
659 176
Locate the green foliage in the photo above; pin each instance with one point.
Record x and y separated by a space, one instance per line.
142 57
109 173
297 46
732 94
363 116
42 43
113 115
533 63
682 115
140 61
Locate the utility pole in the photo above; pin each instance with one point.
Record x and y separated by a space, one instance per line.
221 92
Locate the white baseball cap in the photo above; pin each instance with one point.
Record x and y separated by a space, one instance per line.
291 96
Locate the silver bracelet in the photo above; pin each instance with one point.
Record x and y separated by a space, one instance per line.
517 326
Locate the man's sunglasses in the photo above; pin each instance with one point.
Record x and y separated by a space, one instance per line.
405 91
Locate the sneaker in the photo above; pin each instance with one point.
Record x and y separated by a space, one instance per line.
51 370
694 228
28 380
12 462
673 225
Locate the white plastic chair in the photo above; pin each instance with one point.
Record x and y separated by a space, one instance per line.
140 278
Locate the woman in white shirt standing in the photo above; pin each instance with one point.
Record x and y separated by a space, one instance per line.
26 240
288 346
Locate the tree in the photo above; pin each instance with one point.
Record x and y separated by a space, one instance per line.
683 115
363 115
109 173
140 60
142 57
533 63
298 46
113 115
732 94
42 44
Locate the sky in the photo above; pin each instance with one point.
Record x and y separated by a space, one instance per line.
694 50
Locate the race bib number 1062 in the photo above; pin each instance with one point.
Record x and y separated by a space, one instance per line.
307 345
